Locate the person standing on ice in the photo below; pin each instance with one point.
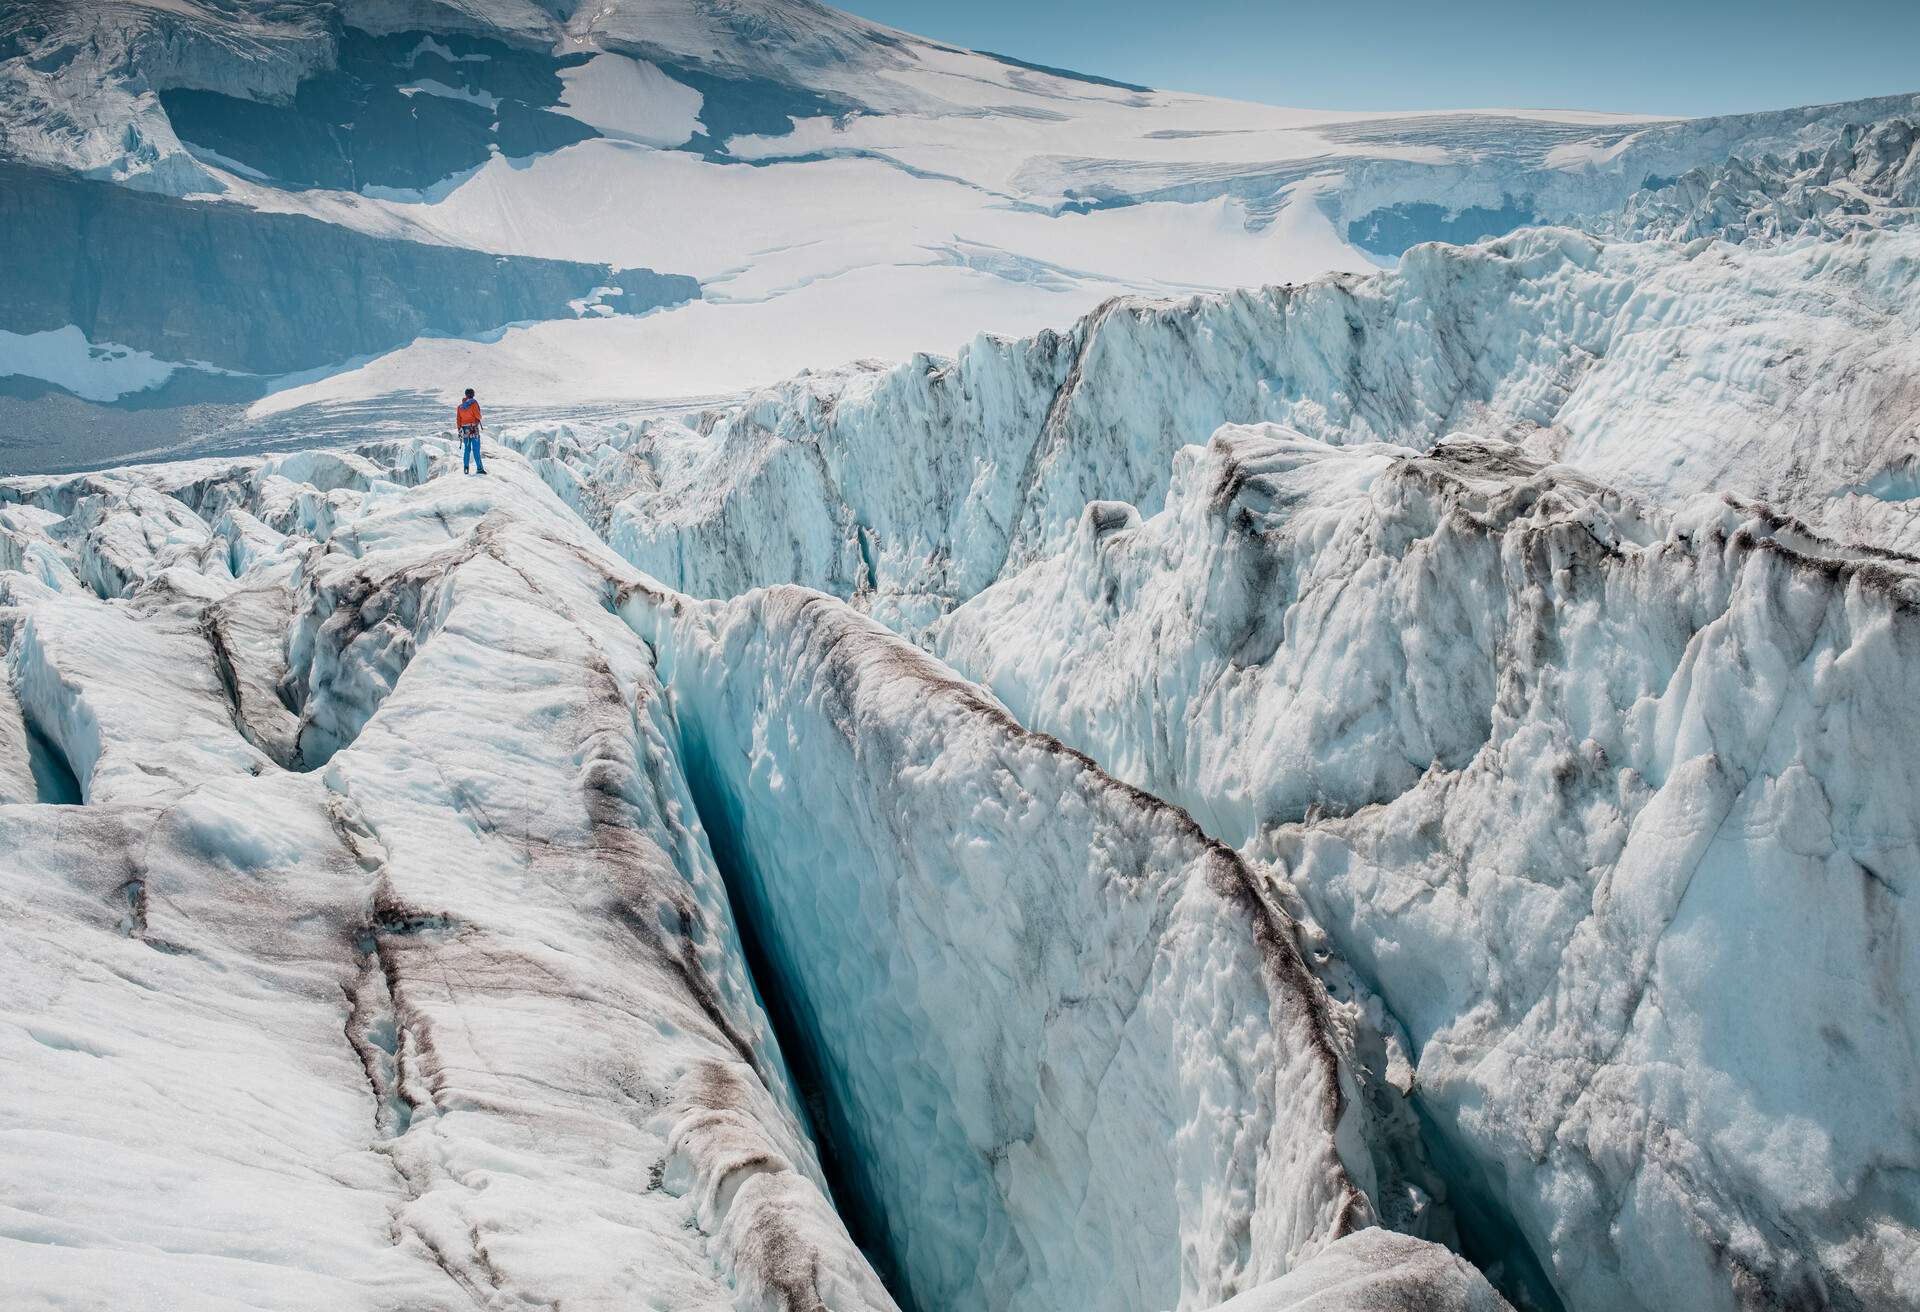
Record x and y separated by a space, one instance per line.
468 417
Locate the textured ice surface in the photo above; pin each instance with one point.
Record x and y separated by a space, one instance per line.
1538 698
1074 1055
1868 177
1611 806
1787 374
1375 1271
364 947
1554 661
384 965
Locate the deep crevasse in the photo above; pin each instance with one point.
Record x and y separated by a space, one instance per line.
458 1015
1073 1052
1550 751
395 947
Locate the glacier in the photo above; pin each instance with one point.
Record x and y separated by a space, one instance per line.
1534 618
1373 770
386 928
1609 807
321 981
793 187
1783 374
1143 1054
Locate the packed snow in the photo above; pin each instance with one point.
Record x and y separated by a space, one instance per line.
630 100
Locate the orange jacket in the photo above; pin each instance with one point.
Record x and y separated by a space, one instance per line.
468 413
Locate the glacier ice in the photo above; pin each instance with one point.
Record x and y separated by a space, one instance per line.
385 934
457 1014
1263 799
1071 1049
1867 177
1598 799
1548 648
1782 374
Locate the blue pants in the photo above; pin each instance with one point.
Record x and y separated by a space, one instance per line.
470 452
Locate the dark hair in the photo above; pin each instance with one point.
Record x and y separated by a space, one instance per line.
469 391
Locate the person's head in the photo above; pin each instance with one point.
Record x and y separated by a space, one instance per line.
469 394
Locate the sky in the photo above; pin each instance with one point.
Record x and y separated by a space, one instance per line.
1688 57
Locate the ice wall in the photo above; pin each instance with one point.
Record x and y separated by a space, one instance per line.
1612 807
1072 1050
1867 178
1784 374
1528 171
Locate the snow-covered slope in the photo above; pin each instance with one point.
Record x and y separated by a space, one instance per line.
815 188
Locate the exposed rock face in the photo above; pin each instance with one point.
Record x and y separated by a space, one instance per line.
266 294
401 111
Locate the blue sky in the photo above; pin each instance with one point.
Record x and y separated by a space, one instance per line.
1678 57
